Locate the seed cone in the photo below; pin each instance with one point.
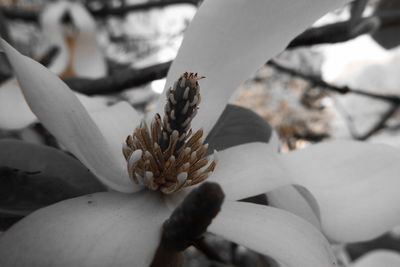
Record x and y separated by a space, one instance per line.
168 157
181 107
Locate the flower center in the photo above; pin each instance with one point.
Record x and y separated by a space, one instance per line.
168 156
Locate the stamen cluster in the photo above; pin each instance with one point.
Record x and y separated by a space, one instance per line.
168 157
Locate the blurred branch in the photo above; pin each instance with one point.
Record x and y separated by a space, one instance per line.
20 14
123 10
5 67
188 223
47 58
4 32
346 30
33 15
380 124
337 32
118 81
356 11
318 82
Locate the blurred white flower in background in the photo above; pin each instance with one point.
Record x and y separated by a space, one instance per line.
78 55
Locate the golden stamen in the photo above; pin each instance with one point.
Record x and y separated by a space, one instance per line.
168 157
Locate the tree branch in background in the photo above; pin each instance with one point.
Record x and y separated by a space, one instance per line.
346 30
124 10
318 82
4 32
104 11
336 32
118 81
20 14
380 124
5 67
356 11
47 58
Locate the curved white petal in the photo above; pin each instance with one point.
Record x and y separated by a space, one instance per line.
51 24
288 198
273 232
103 229
228 40
116 123
378 258
250 169
14 112
65 117
87 59
355 184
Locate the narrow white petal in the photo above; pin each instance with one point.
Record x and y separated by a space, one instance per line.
249 170
228 40
52 28
103 229
116 123
378 258
87 58
273 232
65 117
355 184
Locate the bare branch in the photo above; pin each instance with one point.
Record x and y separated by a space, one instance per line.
318 82
380 124
118 81
33 15
123 10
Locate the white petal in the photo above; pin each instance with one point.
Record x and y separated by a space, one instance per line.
116 123
378 258
249 170
228 40
103 229
52 28
64 116
273 232
14 112
87 59
288 198
356 186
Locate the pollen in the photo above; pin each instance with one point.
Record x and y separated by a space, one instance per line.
169 155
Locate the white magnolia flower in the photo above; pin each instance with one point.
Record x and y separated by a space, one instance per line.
353 183
79 55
